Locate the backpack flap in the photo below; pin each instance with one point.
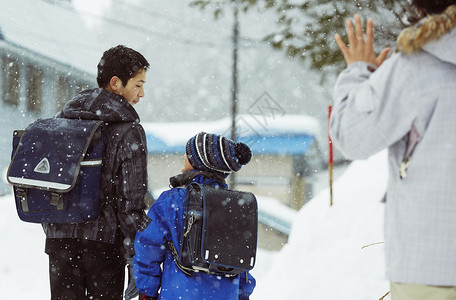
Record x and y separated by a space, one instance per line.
230 230
48 156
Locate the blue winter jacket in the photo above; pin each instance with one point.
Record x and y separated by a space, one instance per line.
153 255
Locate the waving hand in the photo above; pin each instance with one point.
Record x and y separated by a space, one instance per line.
360 48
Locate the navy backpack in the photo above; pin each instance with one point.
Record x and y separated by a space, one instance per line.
55 170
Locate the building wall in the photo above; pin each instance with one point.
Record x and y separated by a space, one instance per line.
35 84
270 239
267 175
31 87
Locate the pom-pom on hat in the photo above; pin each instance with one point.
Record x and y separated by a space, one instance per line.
215 153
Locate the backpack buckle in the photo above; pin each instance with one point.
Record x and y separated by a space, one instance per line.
21 194
57 200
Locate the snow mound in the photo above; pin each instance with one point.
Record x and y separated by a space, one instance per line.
326 257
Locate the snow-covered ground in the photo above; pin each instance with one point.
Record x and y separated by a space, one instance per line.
323 260
326 257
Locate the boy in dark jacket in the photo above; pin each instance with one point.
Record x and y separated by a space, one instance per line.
87 260
208 160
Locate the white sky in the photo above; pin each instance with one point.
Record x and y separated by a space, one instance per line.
93 8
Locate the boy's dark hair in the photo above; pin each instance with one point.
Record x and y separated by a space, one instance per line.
122 62
433 7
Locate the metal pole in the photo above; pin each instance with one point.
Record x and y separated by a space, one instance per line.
235 88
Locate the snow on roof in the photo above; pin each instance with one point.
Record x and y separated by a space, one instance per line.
54 31
276 215
285 134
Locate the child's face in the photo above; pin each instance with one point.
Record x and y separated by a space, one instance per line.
187 165
134 90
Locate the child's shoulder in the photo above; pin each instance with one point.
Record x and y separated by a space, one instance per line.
168 202
172 192
171 195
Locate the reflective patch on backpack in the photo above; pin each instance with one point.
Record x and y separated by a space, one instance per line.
43 167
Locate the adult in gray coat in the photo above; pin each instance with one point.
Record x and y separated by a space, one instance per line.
87 260
407 104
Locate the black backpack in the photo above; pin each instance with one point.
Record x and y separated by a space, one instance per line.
55 170
219 234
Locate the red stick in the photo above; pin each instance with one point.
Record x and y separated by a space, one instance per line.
330 159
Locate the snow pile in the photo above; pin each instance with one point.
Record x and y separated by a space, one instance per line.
325 258
23 264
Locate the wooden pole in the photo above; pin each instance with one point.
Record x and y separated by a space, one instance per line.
330 160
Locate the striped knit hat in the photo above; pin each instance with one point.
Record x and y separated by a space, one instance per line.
215 153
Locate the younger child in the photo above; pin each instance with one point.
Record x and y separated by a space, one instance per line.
209 159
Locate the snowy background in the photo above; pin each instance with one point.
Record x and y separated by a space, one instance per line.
325 257
190 80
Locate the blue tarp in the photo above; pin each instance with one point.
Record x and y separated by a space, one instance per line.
276 144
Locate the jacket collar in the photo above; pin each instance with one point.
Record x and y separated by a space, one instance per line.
185 178
99 104
428 30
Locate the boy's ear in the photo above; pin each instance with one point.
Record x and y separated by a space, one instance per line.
115 83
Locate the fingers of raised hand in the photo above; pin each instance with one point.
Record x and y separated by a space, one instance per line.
350 33
355 32
358 28
382 56
341 44
369 32
359 48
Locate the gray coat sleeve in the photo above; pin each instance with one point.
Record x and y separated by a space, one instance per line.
367 115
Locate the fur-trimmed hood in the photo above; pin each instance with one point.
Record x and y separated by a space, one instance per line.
435 34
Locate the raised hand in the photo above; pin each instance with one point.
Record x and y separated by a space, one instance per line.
360 48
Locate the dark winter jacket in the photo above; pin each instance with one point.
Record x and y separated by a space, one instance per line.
124 179
153 255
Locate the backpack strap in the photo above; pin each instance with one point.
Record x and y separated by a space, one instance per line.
185 270
57 200
21 193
